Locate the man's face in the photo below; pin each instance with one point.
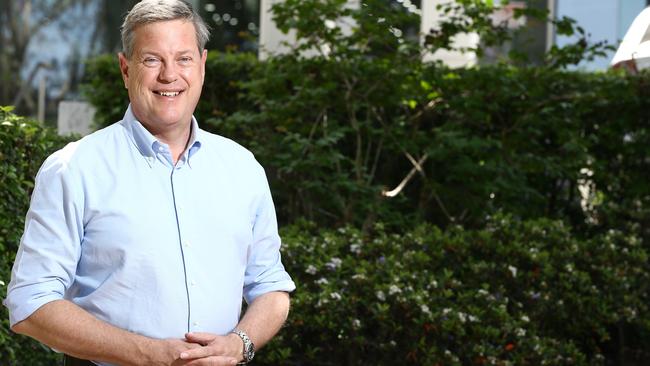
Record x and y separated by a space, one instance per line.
164 75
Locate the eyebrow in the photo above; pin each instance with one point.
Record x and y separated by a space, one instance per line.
150 52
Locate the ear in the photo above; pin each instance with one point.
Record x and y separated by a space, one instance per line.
124 68
204 57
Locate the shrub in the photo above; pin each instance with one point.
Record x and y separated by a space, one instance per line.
513 293
24 145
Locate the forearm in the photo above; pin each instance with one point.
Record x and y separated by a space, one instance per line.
68 328
265 316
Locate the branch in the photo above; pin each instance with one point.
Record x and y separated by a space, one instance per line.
417 166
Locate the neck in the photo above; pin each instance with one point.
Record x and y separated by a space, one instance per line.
176 138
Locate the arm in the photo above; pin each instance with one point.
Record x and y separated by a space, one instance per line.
66 327
262 320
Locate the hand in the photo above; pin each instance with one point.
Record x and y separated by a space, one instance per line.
167 352
215 350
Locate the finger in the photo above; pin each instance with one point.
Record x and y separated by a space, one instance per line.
200 352
213 361
200 337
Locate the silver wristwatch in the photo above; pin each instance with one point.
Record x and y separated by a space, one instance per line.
249 347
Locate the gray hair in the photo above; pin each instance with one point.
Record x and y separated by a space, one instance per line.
150 11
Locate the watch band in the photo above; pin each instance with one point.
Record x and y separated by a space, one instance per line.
248 350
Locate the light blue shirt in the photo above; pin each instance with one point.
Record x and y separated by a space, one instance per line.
147 246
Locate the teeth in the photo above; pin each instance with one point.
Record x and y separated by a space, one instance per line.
169 94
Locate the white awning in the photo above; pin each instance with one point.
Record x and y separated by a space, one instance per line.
635 46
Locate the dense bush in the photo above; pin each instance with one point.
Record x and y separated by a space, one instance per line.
24 144
513 293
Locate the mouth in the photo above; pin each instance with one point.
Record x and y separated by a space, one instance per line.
169 94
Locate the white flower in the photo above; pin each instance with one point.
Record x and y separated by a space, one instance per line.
322 281
462 317
334 263
335 296
380 295
311 269
520 332
355 248
356 323
483 292
446 311
569 268
525 318
330 24
393 289
425 309
2 283
513 270
472 318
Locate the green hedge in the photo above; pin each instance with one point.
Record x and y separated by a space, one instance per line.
513 293
24 145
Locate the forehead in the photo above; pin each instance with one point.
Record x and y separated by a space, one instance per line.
165 35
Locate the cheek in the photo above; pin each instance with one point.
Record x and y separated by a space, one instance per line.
140 81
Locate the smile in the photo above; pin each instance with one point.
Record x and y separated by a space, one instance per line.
168 93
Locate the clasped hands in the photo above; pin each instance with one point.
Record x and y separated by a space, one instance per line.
206 349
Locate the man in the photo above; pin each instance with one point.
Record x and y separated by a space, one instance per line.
142 238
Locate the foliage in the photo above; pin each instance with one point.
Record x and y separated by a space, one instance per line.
24 144
491 138
513 293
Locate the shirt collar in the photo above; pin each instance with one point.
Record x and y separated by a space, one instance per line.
147 144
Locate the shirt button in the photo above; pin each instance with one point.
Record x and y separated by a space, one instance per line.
160 148
186 244
196 324
193 283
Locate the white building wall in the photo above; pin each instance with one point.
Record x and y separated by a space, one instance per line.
430 20
273 41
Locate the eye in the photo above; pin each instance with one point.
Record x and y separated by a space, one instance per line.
151 61
184 60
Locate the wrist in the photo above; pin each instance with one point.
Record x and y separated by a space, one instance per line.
248 348
149 350
235 346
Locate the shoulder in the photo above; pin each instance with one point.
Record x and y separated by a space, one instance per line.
228 151
86 150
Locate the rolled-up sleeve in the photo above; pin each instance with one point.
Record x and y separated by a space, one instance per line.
49 250
264 271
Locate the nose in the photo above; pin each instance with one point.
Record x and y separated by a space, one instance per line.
168 73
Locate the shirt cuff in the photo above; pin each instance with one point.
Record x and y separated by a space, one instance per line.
23 302
286 285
